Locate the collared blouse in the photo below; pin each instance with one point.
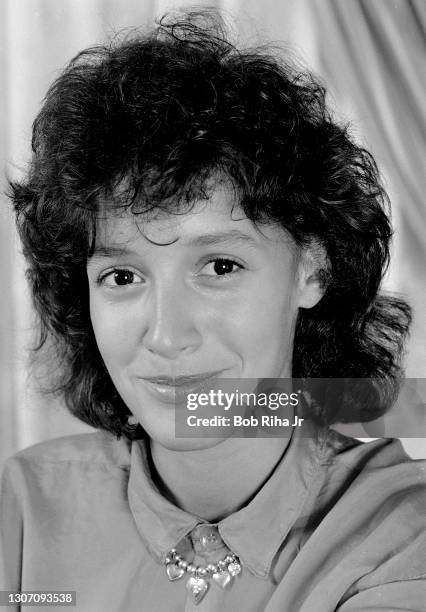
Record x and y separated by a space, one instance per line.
339 525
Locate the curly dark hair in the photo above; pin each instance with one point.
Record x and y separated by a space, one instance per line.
146 122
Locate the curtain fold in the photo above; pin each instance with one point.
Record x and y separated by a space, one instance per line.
372 57
373 54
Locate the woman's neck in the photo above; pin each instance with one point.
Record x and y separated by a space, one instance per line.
215 482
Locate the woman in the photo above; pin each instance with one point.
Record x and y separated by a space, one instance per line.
192 214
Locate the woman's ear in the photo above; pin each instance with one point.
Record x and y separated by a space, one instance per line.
313 273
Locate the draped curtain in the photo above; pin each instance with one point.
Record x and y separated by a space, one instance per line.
373 62
368 53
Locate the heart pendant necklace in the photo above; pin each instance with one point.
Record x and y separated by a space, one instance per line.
222 572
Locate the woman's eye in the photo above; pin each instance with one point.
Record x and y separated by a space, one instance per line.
120 278
221 267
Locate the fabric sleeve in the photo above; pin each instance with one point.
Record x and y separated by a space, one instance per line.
11 532
399 596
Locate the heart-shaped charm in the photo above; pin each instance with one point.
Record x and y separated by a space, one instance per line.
234 568
174 572
223 579
197 588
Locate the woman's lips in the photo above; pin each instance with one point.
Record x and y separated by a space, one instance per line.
175 390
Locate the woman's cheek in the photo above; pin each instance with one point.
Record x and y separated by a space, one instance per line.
116 332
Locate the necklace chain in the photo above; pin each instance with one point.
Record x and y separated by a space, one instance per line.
198 584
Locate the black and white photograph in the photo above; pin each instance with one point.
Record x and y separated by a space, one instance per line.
213 321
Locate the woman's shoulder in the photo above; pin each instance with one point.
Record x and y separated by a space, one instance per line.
368 518
93 450
374 478
369 455
52 475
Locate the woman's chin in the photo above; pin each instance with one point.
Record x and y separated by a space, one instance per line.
186 444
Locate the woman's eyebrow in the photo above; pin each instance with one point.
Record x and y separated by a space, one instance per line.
103 250
230 237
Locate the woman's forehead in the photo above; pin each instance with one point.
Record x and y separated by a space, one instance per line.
218 219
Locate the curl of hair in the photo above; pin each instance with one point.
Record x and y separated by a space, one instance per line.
145 123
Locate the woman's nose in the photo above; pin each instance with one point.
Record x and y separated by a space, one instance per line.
171 327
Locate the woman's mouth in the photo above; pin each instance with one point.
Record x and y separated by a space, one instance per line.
175 389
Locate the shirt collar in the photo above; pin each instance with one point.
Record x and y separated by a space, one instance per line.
254 533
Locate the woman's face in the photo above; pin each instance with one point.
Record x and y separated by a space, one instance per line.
204 293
